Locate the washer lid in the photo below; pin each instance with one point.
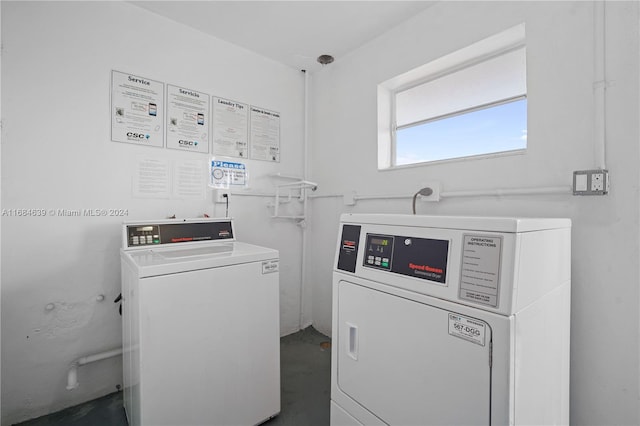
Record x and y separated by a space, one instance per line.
171 260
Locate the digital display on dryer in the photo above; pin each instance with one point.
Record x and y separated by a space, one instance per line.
380 241
378 251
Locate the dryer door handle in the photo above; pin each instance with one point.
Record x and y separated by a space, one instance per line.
352 341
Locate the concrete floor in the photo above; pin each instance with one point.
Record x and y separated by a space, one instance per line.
305 360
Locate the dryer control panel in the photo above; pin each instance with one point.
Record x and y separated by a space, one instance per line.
423 258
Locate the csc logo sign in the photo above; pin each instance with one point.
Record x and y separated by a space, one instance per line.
137 136
183 142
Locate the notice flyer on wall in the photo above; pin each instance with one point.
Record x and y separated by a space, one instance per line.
137 110
224 174
151 178
187 119
189 179
265 134
230 128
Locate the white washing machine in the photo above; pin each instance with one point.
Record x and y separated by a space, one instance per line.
200 325
451 321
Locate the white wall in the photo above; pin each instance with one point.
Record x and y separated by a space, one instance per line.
560 51
57 154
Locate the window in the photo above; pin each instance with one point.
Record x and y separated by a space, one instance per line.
497 128
469 103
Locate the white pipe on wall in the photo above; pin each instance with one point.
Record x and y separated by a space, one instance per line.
599 85
380 197
512 191
468 193
72 375
99 356
305 175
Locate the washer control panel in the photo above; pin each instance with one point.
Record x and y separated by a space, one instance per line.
143 235
150 234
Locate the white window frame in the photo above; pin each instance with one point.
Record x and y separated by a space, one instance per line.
482 51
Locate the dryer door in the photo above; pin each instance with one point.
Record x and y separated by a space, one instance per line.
410 363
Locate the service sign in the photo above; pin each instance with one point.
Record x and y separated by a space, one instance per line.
187 119
137 110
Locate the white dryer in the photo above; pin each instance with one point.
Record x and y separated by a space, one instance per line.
451 321
200 325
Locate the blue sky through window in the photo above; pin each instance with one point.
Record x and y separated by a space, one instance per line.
490 130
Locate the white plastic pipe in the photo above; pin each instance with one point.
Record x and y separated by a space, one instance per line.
513 191
300 184
468 193
380 197
305 175
72 375
600 85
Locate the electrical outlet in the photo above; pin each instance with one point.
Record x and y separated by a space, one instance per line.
590 182
435 195
221 196
597 182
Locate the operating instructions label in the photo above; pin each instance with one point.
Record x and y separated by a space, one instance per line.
480 274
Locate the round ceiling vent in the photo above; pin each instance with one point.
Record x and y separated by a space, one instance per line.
325 59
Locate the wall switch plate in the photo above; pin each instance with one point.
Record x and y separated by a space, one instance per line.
591 182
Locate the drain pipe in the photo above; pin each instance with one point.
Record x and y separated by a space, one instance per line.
72 375
305 177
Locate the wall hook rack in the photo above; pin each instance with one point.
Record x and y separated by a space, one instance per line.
287 190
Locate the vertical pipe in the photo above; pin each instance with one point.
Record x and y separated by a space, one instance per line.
600 84
72 377
305 174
